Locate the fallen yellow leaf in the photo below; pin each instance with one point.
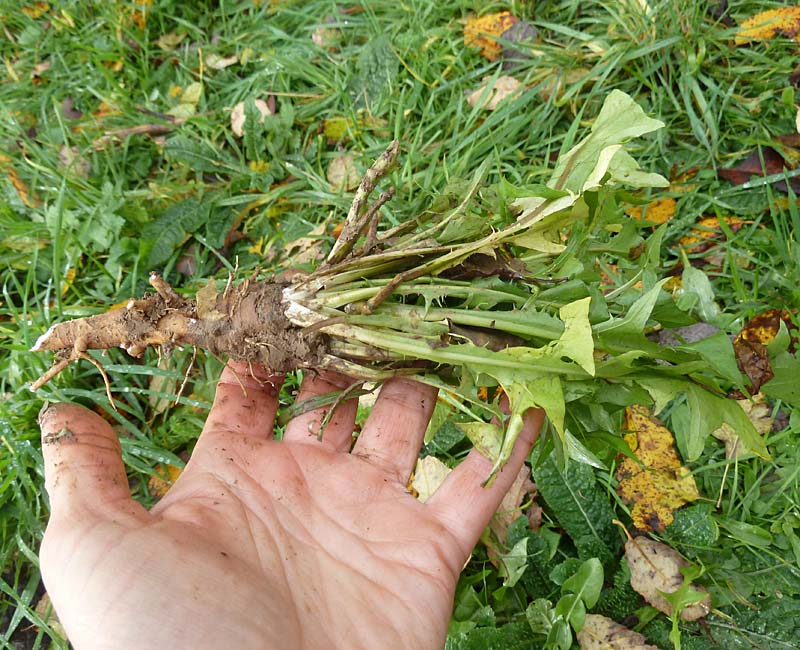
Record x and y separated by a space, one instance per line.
658 211
483 32
165 476
36 9
784 21
654 483
708 229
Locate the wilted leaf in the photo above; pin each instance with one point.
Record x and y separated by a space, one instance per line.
325 36
217 62
342 174
601 633
660 484
751 166
658 211
656 568
73 162
429 474
509 511
206 299
484 31
764 327
170 40
44 608
491 92
758 412
784 21
750 344
238 115
514 563
707 231
163 479
19 185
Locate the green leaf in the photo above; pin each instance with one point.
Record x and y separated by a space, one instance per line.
513 636
693 526
717 350
581 507
513 563
620 119
162 236
766 624
587 582
618 331
784 384
703 413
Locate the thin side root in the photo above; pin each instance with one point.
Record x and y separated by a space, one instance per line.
104 374
54 370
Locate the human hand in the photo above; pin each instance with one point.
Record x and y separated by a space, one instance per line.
262 543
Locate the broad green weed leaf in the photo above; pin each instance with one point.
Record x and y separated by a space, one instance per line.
512 636
784 384
581 507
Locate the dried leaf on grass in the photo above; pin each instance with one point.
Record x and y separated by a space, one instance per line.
660 484
601 633
509 510
784 21
44 608
343 174
493 91
19 185
655 571
484 31
773 163
658 211
164 478
708 231
429 474
35 9
758 412
750 346
238 116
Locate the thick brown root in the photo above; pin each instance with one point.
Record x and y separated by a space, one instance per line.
245 324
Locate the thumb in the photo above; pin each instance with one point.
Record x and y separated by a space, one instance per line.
82 461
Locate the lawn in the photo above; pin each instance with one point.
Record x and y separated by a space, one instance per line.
123 153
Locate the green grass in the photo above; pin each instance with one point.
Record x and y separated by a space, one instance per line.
87 234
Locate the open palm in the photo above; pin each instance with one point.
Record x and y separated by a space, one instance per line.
262 543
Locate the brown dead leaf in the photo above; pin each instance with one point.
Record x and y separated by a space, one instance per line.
484 31
656 568
658 211
784 21
491 92
6 167
750 344
509 510
559 80
343 174
660 484
164 478
751 166
758 412
238 116
601 633
707 232
764 327
73 162
45 610
429 474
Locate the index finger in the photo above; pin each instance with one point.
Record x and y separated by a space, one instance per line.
245 402
463 505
